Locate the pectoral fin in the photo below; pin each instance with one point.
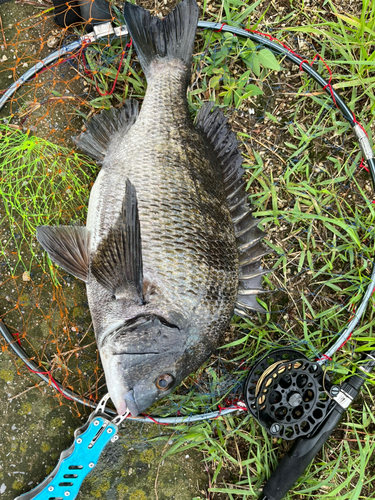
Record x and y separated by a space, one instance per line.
68 247
117 263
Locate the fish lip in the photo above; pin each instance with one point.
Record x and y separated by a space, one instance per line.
108 335
121 408
131 404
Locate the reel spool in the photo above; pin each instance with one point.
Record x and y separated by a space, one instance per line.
287 393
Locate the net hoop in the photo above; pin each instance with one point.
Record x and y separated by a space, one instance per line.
278 47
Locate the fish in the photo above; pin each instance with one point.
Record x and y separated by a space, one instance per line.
170 249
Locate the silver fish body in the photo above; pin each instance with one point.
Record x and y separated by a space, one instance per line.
169 237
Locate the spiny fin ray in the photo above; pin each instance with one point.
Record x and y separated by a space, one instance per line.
213 124
104 126
117 263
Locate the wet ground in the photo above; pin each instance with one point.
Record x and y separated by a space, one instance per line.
35 424
35 429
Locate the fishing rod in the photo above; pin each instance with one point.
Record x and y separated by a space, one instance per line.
292 377
304 449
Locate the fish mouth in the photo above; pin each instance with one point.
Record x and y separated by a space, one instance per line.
131 325
129 401
121 407
128 353
134 353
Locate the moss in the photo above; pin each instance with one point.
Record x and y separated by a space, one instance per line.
17 485
23 447
99 491
56 422
138 495
122 490
25 409
6 375
45 447
147 456
78 312
24 300
49 469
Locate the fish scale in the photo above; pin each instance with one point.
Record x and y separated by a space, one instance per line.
165 182
159 253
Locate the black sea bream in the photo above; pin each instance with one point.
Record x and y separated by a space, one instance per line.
170 249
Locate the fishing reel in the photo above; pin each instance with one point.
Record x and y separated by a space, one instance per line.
287 393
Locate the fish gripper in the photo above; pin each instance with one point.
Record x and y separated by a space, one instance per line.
77 461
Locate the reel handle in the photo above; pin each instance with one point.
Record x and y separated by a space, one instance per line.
304 450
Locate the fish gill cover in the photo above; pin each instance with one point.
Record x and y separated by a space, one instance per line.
304 180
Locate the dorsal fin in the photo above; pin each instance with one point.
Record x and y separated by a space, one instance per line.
68 247
213 124
104 127
117 263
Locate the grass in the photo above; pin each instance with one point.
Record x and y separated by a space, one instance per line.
315 204
348 37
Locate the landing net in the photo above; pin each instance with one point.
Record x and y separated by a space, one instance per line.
305 179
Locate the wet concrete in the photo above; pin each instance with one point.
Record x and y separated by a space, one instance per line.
36 424
34 429
45 105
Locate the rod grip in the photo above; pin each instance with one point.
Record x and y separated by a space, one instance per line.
298 458
304 450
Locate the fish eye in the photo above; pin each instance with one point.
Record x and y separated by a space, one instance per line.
164 382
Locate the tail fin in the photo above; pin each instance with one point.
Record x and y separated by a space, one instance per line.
168 38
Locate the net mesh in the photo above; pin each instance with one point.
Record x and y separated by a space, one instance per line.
303 177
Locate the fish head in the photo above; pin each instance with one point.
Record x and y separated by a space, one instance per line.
142 362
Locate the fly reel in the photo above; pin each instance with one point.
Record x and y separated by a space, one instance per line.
286 393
